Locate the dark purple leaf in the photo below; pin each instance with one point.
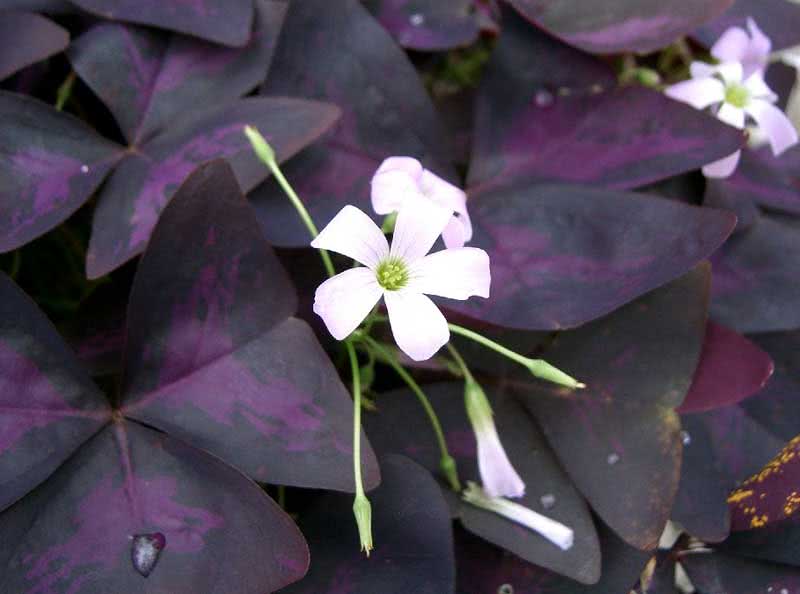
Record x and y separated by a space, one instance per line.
755 278
50 163
549 491
48 6
777 18
720 194
78 533
722 447
146 179
619 439
147 79
214 357
386 112
731 368
47 406
26 38
724 574
564 255
428 25
613 26
412 534
223 21
548 112
485 569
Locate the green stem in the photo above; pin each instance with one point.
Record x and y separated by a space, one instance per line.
267 156
538 367
351 352
64 91
447 462
462 365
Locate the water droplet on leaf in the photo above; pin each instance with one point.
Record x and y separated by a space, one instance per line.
548 500
145 551
543 98
612 459
84 169
417 19
505 589
686 438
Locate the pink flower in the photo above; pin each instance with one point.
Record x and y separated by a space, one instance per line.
751 51
399 178
403 275
733 97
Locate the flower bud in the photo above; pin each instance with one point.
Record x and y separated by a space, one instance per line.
363 513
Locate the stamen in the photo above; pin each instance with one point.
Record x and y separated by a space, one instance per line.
392 274
737 95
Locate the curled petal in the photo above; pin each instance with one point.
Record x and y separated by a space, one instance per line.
395 180
419 328
455 233
353 234
697 92
774 124
346 299
760 44
453 198
497 474
455 273
420 221
723 167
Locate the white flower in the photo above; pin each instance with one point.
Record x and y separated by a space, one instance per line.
560 535
403 275
751 51
399 178
734 97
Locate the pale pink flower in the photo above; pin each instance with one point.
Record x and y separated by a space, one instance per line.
403 275
732 98
750 50
399 178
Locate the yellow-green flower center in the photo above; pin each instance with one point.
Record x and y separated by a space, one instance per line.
737 95
392 274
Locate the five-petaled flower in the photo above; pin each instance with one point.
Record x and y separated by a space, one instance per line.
736 89
400 178
403 274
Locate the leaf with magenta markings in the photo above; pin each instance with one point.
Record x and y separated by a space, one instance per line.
614 26
213 358
385 112
548 112
27 38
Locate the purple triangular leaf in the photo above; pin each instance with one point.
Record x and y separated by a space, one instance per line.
142 184
548 489
755 285
622 430
544 107
731 368
75 534
48 407
214 357
51 164
27 38
615 26
386 112
412 535
147 79
579 253
777 18
222 21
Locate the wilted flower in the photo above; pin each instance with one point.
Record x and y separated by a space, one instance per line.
497 474
734 97
750 50
402 274
399 178
560 535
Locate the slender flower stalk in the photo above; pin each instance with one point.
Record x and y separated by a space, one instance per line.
538 367
557 533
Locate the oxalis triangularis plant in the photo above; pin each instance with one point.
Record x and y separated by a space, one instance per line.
420 207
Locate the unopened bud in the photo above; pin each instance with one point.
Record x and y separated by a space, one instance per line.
363 513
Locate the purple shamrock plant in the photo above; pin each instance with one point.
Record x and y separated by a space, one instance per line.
97 494
27 38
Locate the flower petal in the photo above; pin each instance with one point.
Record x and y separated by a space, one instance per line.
731 72
420 221
757 88
395 179
353 234
498 476
455 233
773 122
760 44
419 328
702 69
731 46
724 167
731 115
697 92
346 299
454 273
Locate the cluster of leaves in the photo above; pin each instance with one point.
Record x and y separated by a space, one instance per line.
611 258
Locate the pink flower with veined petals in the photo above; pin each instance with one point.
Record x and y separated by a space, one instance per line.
399 178
734 97
751 51
403 275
